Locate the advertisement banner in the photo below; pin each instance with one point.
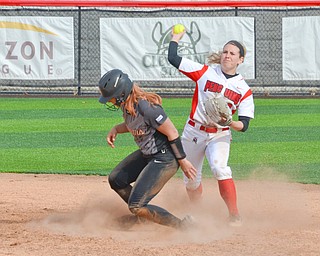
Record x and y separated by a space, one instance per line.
301 47
139 46
36 48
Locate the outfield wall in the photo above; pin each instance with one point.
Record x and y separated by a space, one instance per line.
269 51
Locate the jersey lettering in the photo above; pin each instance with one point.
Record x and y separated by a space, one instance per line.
213 87
138 132
232 95
212 80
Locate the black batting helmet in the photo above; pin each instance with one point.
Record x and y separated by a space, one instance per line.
115 84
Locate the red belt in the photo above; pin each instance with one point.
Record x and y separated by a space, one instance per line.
207 129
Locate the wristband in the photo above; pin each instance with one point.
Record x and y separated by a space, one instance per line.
177 148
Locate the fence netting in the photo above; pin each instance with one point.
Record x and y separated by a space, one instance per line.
268 50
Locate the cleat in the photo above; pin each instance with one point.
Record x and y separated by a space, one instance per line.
235 221
187 222
125 222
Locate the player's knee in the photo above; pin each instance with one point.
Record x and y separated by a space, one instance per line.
136 210
112 181
192 185
116 183
222 173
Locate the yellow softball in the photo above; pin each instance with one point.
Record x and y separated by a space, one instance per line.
178 28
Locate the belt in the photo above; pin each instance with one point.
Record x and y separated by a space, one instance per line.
207 129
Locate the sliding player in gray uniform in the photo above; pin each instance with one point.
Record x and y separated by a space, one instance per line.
160 150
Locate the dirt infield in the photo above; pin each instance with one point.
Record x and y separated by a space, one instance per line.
74 215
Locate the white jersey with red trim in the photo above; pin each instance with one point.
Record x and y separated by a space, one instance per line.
211 80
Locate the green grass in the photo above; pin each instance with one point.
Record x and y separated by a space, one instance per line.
63 135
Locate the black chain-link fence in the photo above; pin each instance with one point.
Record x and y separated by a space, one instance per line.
268 50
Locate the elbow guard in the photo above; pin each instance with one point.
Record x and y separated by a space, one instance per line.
245 120
177 148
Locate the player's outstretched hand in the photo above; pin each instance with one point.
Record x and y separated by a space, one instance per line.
188 168
177 37
111 137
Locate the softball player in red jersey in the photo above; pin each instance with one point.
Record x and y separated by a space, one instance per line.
201 140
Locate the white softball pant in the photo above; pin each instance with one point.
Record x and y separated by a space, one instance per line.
214 146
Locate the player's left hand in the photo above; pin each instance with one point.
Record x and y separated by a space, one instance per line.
111 137
188 168
225 120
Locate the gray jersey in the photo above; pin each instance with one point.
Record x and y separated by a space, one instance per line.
144 126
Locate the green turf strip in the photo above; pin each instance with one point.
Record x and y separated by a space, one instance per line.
62 135
57 125
60 139
287 109
82 138
290 120
55 114
278 134
96 159
49 103
275 153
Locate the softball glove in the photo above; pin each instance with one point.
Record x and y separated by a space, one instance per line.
217 110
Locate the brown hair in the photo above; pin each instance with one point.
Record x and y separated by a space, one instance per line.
138 93
241 47
215 58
